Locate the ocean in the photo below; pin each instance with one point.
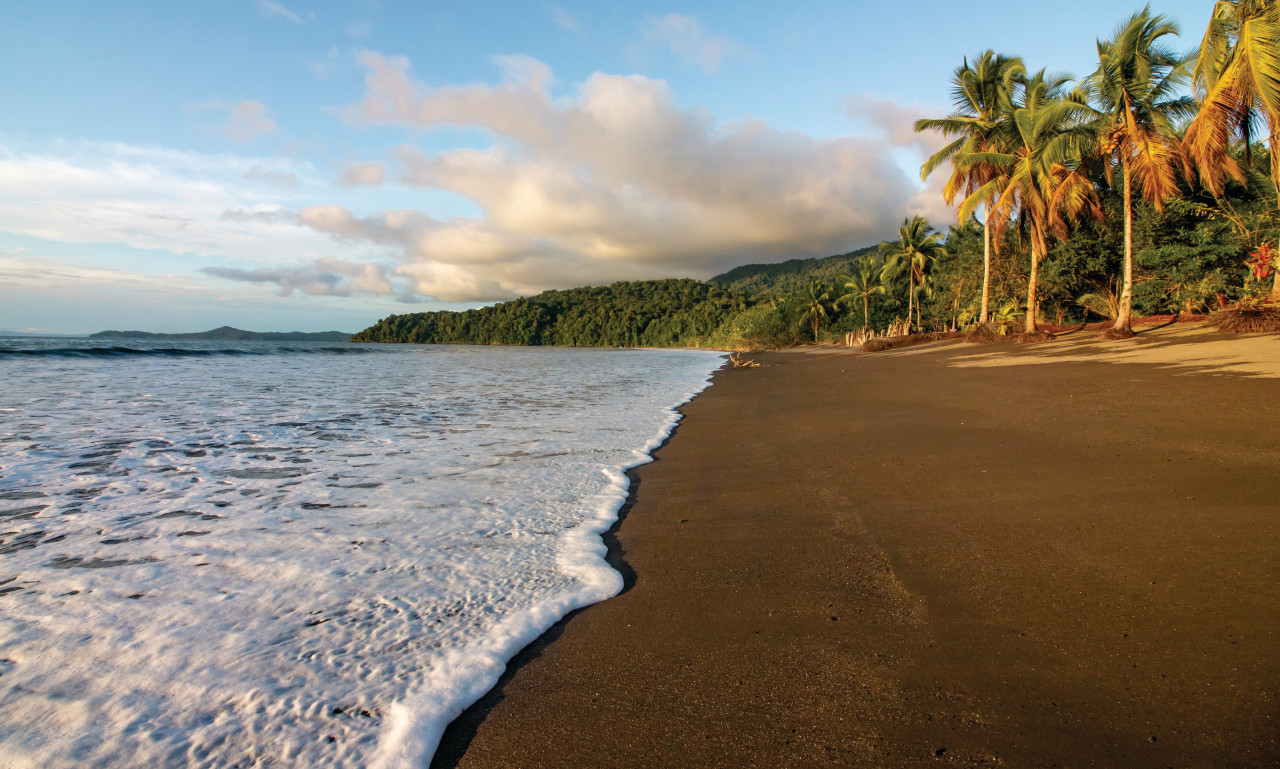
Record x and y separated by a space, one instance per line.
303 554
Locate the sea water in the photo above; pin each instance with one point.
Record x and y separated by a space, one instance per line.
251 554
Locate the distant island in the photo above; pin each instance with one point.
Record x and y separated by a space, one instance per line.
229 334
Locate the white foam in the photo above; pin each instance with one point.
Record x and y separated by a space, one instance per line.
320 620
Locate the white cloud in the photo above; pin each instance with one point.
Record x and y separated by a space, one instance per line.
610 180
363 175
268 9
35 273
248 121
894 121
155 198
685 37
896 124
60 296
323 277
613 182
563 19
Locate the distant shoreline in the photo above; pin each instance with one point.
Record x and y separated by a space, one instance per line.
229 334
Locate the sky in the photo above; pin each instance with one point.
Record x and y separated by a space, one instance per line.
320 164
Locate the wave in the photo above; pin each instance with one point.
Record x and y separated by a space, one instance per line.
174 352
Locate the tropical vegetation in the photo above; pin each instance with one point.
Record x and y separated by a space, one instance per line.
914 254
1042 157
657 313
1145 187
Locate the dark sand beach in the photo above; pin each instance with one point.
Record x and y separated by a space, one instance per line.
905 559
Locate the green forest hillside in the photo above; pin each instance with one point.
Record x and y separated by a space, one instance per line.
782 278
750 306
652 313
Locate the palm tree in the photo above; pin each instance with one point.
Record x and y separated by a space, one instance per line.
862 285
1134 88
980 93
917 248
1043 138
816 306
1237 74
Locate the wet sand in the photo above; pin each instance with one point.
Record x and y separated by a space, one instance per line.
938 556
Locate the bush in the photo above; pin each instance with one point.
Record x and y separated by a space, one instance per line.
762 327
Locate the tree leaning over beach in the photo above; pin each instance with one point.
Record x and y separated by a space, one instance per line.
1237 75
1044 136
917 247
1135 89
980 93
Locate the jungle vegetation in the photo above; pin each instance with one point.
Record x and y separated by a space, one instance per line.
1143 188
652 313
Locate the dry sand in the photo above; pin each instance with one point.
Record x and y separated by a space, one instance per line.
940 556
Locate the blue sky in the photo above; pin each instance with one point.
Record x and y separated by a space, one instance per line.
319 165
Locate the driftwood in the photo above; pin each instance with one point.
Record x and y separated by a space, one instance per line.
738 362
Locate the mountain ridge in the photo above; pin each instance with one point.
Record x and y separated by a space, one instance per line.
231 334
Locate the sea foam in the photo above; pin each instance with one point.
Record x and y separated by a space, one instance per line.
314 560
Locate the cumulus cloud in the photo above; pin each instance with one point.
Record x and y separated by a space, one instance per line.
248 121
613 182
685 37
363 175
323 277
896 124
606 179
271 10
894 121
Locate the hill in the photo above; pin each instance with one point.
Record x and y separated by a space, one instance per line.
651 313
229 334
771 280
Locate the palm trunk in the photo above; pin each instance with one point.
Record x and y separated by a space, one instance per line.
1031 287
1275 180
1121 326
911 297
866 311
986 263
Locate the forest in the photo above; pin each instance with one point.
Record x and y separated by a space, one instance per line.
653 313
1144 188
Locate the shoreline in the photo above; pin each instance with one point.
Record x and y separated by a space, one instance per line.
782 611
415 731
459 732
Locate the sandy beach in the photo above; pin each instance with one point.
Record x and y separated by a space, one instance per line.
1050 555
